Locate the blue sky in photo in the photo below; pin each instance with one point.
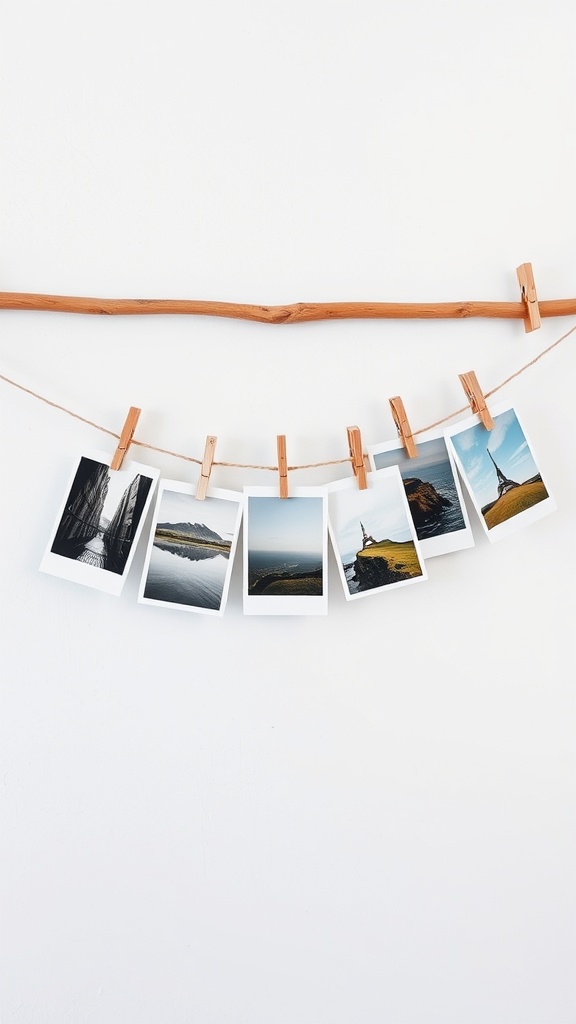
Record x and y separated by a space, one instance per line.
381 508
286 524
509 448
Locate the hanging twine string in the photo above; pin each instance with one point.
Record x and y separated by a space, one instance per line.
243 465
503 383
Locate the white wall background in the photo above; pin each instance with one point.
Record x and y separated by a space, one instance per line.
366 818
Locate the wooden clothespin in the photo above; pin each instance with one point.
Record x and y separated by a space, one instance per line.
477 401
403 426
206 467
125 437
528 294
357 456
282 464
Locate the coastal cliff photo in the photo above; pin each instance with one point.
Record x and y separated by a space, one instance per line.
433 491
373 535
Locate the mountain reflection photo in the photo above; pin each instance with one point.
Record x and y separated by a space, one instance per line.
191 548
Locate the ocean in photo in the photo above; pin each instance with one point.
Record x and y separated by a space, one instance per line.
439 474
451 518
188 574
285 564
350 574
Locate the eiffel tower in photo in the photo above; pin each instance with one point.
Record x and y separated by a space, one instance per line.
504 484
367 540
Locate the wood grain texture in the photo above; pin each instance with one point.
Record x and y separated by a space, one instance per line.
299 312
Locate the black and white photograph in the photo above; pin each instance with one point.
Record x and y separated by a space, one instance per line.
285 552
191 548
99 525
373 535
433 490
500 471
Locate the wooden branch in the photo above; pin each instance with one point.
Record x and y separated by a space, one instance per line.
299 312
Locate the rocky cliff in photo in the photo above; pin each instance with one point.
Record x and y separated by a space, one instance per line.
424 500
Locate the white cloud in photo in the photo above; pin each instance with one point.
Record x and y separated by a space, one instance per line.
466 440
519 449
475 468
500 429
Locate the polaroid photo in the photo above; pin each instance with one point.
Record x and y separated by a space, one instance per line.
285 551
100 523
373 535
191 548
433 491
500 472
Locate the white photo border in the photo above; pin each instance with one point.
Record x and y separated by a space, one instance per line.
81 572
378 478
298 604
521 519
453 540
179 487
